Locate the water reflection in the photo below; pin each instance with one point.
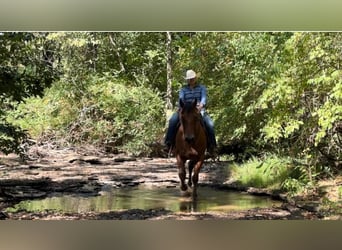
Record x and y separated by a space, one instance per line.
209 199
188 205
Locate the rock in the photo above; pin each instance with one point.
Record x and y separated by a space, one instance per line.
123 159
25 182
91 159
73 159
290 208
258 191
93 178
24 193
3 216
88 188
34 167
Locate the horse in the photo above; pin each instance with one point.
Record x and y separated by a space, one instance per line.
190 144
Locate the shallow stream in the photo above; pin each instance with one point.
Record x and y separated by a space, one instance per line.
145 197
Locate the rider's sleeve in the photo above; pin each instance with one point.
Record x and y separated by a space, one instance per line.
203 95
181 94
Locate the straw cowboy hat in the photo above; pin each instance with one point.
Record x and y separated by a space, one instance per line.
190 74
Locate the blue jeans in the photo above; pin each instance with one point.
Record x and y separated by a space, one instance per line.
173 125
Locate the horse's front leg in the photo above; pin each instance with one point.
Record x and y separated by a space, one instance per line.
195 177
181 173
191 167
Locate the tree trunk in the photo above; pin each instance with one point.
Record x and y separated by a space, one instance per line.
169 105
122 66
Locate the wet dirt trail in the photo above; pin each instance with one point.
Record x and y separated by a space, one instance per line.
84 172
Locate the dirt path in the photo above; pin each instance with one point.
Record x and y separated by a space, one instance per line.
72 171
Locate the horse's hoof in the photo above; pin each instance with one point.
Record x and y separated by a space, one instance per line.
187 192
184 188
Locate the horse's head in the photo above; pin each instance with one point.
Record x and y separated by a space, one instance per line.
190 119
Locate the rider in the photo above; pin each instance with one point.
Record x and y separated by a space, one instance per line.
188 93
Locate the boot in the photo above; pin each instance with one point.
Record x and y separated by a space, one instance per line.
211 152
168 148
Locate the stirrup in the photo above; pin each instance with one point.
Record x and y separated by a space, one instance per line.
170 149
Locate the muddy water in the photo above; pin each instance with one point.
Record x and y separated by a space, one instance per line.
144 197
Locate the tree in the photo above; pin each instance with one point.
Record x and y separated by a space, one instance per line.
306 98
169 71
279 91
27 64
27 68
274 90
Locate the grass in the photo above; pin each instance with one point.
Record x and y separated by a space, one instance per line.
269 172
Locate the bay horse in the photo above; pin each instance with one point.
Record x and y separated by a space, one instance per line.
190 144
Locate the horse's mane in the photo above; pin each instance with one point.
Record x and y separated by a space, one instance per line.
188 106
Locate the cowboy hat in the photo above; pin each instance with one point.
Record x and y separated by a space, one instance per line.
190 74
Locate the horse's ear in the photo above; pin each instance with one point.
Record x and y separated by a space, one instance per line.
181 103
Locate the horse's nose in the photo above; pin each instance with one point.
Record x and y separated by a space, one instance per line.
190 138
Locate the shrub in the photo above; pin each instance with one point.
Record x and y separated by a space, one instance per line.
133 115
270 172
11 138
109 112
277 173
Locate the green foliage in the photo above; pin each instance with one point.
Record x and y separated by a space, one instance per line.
276 173
272 102
134 114
293 186
26 69
236 67
26 64
109 115
41 116
136 57
11 138
31 61
270 172
306 101
273 91
330 208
